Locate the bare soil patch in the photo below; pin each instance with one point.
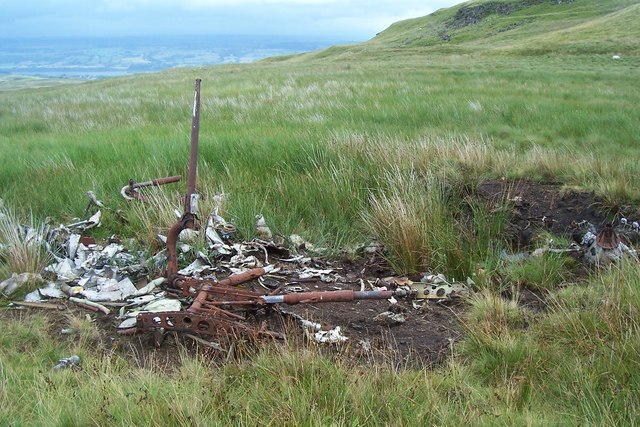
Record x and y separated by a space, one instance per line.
543 207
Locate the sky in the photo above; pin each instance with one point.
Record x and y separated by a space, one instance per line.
354 20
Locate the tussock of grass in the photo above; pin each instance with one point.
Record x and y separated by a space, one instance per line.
580 357
21 244
544 273
424 226
413 218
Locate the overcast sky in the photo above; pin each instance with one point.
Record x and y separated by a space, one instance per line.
354 20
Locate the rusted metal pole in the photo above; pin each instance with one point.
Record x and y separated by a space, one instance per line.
190 205
193 155
131 191
189 285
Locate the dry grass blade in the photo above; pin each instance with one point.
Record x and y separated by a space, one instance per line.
21 246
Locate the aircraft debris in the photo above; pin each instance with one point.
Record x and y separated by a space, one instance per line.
132 191
67 362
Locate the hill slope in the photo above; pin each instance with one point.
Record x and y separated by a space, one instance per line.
521 25
502 28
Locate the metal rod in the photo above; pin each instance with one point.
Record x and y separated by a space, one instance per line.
188 218
154 182
326 296
193 156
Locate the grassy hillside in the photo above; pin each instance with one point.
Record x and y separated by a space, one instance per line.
387 139
521 25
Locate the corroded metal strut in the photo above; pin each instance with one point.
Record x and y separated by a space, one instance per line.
191 198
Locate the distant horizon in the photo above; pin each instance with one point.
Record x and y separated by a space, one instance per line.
305 37
80 57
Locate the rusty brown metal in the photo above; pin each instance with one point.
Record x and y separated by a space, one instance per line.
325 296
190 207
186 221
193 154
132 190
154 182
195 323
189 285
215 305
607 238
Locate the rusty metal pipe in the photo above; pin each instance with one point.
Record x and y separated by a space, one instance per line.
200 299
154 182
243 277
172 241
328 296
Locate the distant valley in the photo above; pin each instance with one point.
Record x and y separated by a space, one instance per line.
92 58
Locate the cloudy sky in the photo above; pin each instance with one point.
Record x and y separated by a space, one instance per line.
336 19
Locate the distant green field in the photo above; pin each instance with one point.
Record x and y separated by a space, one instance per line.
386 139
13 82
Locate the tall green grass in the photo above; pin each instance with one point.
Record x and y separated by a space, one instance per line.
311 152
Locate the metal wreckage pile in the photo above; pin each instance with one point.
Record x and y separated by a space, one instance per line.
195 301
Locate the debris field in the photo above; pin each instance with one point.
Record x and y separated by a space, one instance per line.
215 289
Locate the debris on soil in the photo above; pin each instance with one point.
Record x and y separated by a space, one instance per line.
606 247
16 281
538 208
67 362
104 277
389 318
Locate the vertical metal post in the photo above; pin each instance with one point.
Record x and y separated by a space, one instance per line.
190 205
193 156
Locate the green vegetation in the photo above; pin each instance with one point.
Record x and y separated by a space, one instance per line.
388 140
575 365
13 82
20 250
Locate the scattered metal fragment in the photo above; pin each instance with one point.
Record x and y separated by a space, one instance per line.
88 303
93 201
262 230
50 291
67 362
607 238
131 191
607 247
13 283
129 322
158 306
93 221
33 304
388 318
332 336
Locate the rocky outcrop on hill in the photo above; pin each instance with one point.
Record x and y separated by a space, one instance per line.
473 15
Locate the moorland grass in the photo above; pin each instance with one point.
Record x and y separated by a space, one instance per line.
341 146
279 137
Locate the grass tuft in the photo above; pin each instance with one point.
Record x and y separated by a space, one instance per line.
22 247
